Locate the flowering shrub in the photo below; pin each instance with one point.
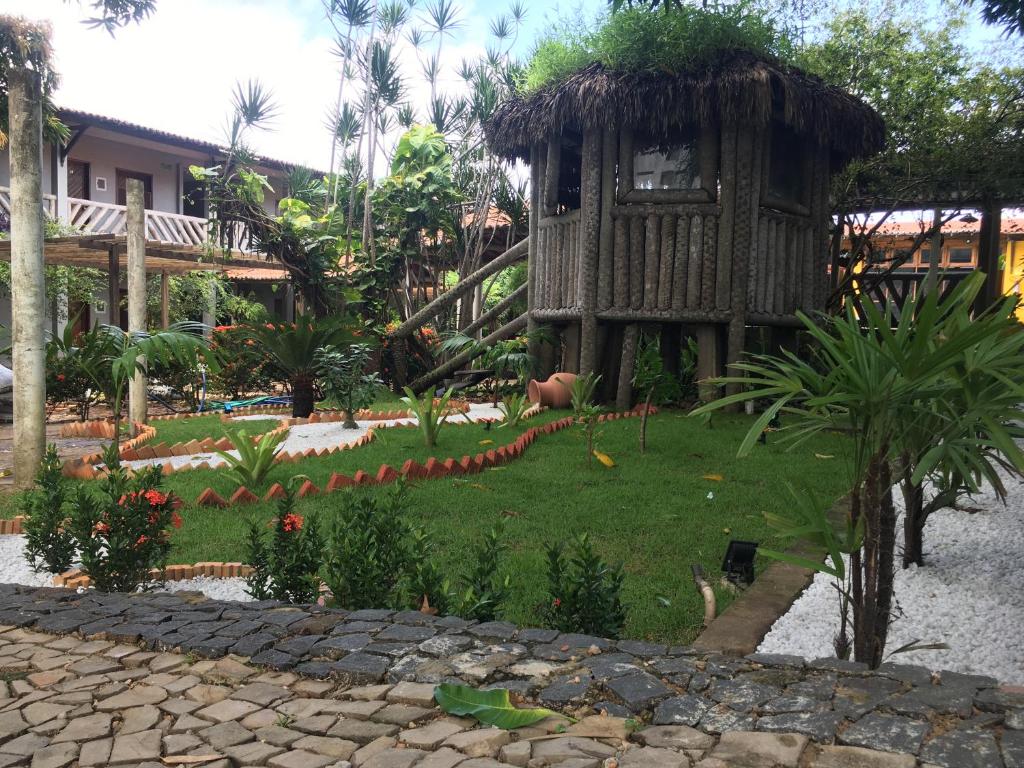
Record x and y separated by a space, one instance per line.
124 530
49 545
244 367
287 568
585 592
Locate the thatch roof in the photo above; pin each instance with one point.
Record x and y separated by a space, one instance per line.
738 88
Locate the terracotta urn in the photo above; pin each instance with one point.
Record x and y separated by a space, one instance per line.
554 393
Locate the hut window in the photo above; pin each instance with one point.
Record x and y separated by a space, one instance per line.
787 166
961 255
661 167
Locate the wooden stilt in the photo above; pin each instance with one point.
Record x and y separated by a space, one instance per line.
624 393
709 359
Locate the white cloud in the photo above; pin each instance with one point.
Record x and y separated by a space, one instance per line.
175 71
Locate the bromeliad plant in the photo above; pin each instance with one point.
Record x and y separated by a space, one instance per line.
286 569
877 380
123 531
255 455
49 544
514 407
431 414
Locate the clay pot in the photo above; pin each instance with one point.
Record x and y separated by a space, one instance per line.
554 393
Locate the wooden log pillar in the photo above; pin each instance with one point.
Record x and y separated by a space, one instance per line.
571 349
670 345
165 299
989 253
536 181
28 296
606 237
624 392
709 359
113 288
736 248
136 271
592 173
552 163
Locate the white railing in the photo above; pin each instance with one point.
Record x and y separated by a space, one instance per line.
95 218
49 203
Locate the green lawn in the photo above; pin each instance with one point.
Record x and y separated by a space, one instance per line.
208 425
651 512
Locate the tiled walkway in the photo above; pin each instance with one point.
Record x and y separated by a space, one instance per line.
87 680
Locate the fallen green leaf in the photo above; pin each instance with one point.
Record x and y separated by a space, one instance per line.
489 707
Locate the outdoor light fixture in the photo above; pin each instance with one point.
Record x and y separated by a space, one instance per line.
968 218
739 561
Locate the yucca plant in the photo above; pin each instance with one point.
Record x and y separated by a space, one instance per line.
430 415
255 458
581 392
878 380
514 407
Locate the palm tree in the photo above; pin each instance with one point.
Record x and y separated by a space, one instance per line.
125 353
294 349
877 381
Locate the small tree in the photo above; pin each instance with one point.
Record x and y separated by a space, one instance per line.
875 379
49 545
652 381
346 380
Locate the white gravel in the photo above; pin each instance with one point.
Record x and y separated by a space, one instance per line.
14 568
215 589
969 595
321 435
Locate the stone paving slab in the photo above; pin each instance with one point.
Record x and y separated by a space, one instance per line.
104 686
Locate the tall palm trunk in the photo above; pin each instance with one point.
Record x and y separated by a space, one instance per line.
303 399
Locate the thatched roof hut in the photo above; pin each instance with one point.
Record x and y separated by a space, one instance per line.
695 202
738 88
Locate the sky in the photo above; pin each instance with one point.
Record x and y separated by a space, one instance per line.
175 71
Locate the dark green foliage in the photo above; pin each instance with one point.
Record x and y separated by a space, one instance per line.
49 545
182 376
487 588
429 587
287 568
244 368
640 40
585 592
347 380
369 550
122 530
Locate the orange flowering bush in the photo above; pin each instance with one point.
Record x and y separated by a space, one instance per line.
287 567
124 530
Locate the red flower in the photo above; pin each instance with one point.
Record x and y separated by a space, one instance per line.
291 522
556 602
176 520
101 528
60 377
141 540
155 498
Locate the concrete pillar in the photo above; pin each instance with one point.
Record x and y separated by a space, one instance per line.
28 297
137 402
59 181
113 288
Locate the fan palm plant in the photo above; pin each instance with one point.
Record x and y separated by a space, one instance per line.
293 348
122 354
878 381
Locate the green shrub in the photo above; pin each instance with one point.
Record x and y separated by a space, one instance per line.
581 392
369 549
639 40
244 367
49 545
345 379
286 569
485 589
182 376
123 530
255 459
585 592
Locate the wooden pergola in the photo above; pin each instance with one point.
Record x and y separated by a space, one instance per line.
110 253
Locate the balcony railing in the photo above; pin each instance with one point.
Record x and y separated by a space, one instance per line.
49 203
92 217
